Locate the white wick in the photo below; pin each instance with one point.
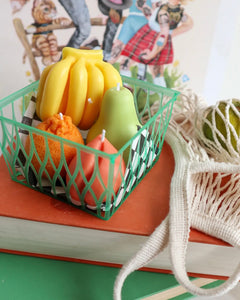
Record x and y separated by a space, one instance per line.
118 86
103 135
61 116
90 100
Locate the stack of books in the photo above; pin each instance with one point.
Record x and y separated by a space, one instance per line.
35 224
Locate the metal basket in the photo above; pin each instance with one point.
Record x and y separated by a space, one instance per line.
144 149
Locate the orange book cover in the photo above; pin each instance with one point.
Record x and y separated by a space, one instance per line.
138 216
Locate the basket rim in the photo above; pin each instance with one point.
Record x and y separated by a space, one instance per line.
133 81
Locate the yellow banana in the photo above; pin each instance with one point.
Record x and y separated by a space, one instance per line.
77 91
94 96
78 53
110 74
63 104
41 85
54 87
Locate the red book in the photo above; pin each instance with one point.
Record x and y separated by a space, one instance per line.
33 223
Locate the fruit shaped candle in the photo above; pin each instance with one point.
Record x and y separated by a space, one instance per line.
96 169
111 75
142 99
67 85
118 117
95 91
61 126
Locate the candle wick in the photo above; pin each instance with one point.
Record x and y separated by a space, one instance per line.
118 86
103 135
61 116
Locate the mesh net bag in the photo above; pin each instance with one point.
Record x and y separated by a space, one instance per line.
204 191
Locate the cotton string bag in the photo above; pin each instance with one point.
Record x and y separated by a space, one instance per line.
204 192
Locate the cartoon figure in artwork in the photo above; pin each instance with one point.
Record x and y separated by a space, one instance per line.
76 9
179 22
138 16
114 10
152 44
44 13
79 14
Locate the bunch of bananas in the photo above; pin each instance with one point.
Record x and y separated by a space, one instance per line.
75 86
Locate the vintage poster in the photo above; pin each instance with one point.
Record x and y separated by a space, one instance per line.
172 43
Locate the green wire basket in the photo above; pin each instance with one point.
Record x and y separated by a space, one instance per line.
144 150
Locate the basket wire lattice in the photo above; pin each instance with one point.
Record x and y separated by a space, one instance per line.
144 150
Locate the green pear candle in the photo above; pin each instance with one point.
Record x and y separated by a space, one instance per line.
118 117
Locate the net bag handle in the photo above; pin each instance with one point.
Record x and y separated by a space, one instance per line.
180 222
155 244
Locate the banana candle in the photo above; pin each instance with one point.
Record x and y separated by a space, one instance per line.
67 85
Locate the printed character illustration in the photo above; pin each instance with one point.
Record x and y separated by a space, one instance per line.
139 12
44 13
179 22
79 14
113 9
152 44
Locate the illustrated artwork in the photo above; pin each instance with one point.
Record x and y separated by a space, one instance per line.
137 36
150 41
44 13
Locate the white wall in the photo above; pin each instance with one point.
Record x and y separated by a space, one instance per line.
221 81
12 75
